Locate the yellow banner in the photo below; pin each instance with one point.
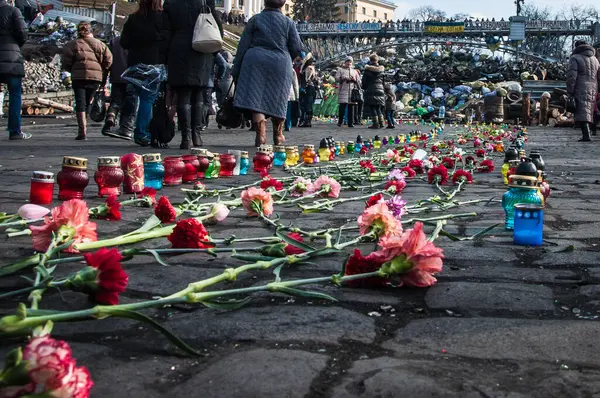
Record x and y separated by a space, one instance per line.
444 27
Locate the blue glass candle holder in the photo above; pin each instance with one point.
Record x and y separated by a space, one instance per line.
154 171
529 224
280 156
244 163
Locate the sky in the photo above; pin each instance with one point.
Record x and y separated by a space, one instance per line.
478 9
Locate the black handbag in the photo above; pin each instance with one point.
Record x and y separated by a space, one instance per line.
356 96
227 115
571 104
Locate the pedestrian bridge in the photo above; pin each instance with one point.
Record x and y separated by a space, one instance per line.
331 42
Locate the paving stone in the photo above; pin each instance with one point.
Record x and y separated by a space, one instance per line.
490 296
578 231
591 291
500 273
576 257
571 342
256 373
281 323
463 251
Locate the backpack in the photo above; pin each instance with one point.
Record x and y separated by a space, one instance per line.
162 127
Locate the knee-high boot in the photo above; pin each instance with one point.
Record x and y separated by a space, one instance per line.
278 137
184 114
198 124
261 133
585 130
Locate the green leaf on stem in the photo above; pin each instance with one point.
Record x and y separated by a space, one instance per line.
324 252
483 232
226 305
277 271
166 332
157 257
303 293
567 249
150 223
252 258
294 242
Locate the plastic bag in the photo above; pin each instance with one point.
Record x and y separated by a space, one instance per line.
98 108
146 77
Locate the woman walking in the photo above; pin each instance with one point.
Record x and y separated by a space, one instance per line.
190 72
292 102
146 36
348 80
263 69
582 84
309 82
88 60
374 94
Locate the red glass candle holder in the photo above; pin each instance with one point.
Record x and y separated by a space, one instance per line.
73 178
228 163
174 170
261 162
132 165
42 188
109 176
203 161
191 168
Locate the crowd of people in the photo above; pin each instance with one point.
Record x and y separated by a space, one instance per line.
229 18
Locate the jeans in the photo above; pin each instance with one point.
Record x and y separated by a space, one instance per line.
376 111
14 103
288 116
389 115
346 112
144 115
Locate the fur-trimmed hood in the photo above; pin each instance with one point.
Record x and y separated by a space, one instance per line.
375 68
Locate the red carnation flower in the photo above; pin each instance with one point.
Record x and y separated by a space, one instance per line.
113 206
364 150
189 234
149 192
486 166
470 160
165 212
291 249
394 186
264 174
438 174
358 264
480 153
373 200
448 162
408 172
416 165
435 149
110 279
462 175
271 182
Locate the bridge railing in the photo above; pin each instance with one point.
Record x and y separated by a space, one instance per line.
419 27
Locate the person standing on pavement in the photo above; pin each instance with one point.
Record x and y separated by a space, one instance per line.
292 102
348 80
88 60
146 37
583 78
123 103
309 82
373 81
262 69
390 106
189 71
13 34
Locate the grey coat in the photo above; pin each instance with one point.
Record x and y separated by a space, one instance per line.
582 81
263 63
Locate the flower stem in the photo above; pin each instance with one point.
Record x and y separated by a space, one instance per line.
331 203
299 199
20 222
24 232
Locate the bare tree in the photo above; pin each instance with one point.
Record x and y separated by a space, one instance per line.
426 13
580 13
461 16
535 13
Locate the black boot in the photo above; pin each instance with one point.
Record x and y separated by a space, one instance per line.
593 128
197 125
308 121
585 130
184 113
126 119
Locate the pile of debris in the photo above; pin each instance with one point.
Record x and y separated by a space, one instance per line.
456 67
45 77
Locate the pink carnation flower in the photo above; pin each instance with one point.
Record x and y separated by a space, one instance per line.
331 187
256 199
381 219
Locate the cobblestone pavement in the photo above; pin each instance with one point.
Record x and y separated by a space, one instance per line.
503 321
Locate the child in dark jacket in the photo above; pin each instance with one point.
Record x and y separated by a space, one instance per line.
390 106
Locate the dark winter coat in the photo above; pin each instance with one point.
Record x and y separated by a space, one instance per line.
187 67
390 101
263 63
372 83
13 34
119 61
582 81
87 58
146 39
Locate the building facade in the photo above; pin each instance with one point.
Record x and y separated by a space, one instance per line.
366 10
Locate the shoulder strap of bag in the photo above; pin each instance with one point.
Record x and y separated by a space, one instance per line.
205 9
